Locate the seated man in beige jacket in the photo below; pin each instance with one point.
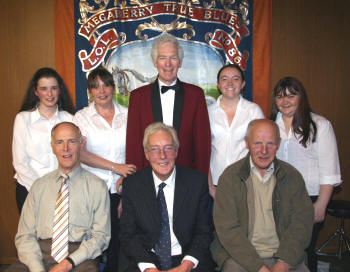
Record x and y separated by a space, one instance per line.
65 221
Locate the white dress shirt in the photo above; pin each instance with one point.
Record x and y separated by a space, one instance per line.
227 141
169 192
167 100
31 145
318 162
104 140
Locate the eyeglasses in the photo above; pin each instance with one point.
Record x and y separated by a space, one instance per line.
156 150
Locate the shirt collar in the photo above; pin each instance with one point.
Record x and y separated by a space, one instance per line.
279 119
160 83
36 116
93 111
218 101
269 170
220 97
71 174
170 181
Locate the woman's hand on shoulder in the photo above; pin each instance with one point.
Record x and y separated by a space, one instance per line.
124 169
119 185
212 191
83 143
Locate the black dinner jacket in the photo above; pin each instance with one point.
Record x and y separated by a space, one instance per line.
140 220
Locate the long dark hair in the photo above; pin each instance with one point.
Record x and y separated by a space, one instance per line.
302 122
30 101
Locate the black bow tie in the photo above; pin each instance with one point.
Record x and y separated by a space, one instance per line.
164 89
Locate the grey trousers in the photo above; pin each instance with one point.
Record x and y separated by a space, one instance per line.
231 266
49 261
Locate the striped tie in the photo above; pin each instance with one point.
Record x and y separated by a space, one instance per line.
59 247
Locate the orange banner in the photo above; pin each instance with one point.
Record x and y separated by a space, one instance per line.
64 43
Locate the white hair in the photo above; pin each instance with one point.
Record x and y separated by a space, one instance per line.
166 38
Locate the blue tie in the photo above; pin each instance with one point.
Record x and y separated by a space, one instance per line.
163 246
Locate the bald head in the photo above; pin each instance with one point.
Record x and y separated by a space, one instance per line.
263 140
66 124
65 143
265 123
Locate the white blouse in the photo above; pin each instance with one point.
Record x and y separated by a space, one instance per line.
318 162
31 145
103 140
227 141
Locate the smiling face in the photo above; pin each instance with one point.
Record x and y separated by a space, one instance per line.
47 91
287 104
230 83
161 153
167 62
66 146
101 93
263 143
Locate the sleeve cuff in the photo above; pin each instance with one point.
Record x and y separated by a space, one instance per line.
144 266
191 259
36 266
78 256
331 180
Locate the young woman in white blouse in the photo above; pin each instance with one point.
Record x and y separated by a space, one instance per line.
229 118
103 125
309 144
46 103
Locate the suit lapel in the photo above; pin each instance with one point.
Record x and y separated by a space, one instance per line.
150 195
181 191
155 102
178 106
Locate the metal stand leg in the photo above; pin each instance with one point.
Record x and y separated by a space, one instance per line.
318 252
342 241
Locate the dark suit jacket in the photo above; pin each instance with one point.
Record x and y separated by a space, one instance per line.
190 120
140 220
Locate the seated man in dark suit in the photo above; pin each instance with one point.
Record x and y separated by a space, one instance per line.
165 224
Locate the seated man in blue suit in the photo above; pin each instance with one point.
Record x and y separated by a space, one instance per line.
165 224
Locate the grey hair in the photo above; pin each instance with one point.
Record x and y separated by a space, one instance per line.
166 38
159 126
256 121
74 126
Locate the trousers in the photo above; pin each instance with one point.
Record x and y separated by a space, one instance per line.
231 266
49 262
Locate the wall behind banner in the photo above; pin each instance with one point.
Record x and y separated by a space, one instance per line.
309 40
27 32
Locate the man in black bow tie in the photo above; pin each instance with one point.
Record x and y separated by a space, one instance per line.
174 103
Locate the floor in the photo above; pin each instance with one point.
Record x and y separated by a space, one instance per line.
333 264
